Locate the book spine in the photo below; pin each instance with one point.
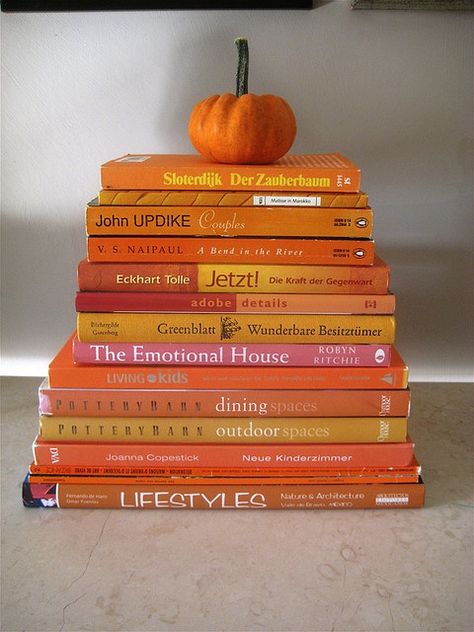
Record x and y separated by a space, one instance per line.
313 455
212 354
117 479
229 221
224 250
114 402
295 174
232 198
145 377
242 496
241 303
261 328
239 278
405 474
225 430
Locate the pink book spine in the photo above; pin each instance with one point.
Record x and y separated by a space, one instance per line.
202 354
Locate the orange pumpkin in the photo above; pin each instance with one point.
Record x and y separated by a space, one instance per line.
243 128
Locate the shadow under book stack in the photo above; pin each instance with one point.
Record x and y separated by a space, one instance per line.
234 346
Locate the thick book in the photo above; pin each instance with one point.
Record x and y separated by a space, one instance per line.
166 475
64 372
272 495
222 221
234 278
127 402
232 198
302 173
275 303
224 430
241 455
215 354
265 250
227 328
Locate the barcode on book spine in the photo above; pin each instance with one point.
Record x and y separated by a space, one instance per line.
391 500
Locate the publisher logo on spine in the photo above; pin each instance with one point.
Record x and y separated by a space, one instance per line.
379 356
229 327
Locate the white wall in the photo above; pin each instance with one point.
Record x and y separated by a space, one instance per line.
391 90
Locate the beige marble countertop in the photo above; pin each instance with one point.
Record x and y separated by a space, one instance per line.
241 570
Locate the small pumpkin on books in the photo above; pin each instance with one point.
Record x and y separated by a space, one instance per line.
244 128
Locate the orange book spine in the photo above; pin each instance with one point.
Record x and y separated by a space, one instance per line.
232 198
227 377
239 278
64 373
224 250
403 474
115 402
302 173
311 456
228 221
283 455
242 496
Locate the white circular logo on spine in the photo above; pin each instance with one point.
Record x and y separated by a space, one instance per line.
379 356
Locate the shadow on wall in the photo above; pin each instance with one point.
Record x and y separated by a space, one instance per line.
434 308
200 75
39 261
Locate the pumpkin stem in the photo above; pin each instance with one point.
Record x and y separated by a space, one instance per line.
242 67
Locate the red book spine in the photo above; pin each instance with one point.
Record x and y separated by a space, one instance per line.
242 303
405 474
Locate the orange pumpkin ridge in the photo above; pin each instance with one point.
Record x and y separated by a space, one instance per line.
245 129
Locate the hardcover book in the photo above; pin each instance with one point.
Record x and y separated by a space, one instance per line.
240 455
221 278
243 328
191 475
224 430
271 303
64 373
213 354
126 402
273 495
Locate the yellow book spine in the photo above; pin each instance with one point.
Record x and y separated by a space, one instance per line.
242 328
225 430
231 198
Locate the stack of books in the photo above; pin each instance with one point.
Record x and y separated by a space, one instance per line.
234 346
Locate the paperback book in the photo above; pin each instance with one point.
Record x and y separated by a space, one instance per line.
294 172
232 198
